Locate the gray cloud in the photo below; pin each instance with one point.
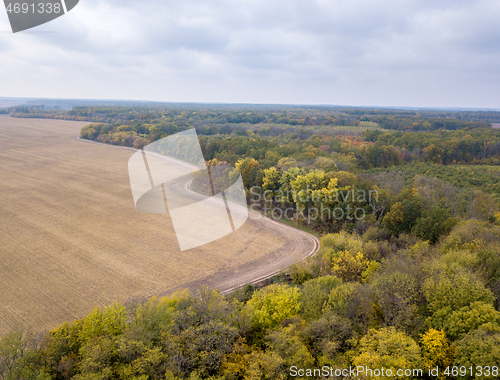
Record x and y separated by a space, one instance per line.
396 52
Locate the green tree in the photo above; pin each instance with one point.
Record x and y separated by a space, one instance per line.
447 293
478 348
330 336
454 290
286 183
388 348
110 321
201 348
353 301
434 154
88 133
434 223
468 318
304 186
394 220
151 319
288 345
396 294
209 306
18 357
265 366
315 295
273 304
403 213
272 157
481 206
382 156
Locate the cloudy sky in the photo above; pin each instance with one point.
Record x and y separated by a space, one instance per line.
443 53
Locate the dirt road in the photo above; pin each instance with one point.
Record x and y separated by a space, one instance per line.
300 246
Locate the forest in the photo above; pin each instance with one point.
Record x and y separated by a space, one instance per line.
406 203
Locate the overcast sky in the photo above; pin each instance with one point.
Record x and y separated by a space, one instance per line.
436 53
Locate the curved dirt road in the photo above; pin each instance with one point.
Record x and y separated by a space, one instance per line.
299 246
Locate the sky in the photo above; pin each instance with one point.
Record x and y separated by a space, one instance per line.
417 53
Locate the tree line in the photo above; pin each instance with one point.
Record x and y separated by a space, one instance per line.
295 116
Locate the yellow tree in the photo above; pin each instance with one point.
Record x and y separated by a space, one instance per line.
349 266
436 351
270 182
247 169
390 349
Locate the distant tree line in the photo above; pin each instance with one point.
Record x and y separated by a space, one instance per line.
300 116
